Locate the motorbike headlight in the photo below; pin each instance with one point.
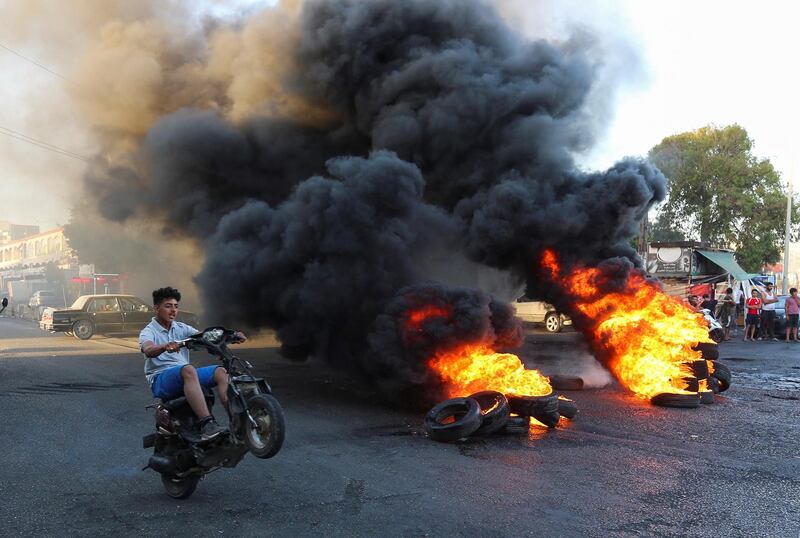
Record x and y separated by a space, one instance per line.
214 336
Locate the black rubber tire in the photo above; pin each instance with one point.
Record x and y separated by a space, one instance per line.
465 411
266 410
179 488
494 411
548 419
706 397
700 369
567 408
82 329
533 405
552 323
707 350
713 384
517 425
723 375
565 382
692 384
666 399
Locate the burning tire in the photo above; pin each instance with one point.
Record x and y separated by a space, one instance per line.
567 408
516 425
723 375
453 419
700 369
565 382
692 384
531 406
666 399
494 411
713 384
708 351
706 397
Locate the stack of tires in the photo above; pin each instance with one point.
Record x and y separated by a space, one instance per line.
709 377
489 412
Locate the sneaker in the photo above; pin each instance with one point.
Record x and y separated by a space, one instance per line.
211 429
746 339
760 339
774 339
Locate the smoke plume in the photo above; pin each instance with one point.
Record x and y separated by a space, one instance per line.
320 152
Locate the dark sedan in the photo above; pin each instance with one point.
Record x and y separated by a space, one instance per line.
103 314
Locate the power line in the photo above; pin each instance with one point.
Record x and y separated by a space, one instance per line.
44 145
34 62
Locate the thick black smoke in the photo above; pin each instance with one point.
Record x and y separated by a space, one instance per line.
447 124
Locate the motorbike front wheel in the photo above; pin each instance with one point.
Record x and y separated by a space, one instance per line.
265 438
179 488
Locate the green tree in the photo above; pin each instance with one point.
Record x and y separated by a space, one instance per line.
722 194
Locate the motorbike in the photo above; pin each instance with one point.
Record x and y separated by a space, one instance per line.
715 330
255 422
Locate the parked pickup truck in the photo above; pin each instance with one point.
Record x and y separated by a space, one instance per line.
93 314
540 312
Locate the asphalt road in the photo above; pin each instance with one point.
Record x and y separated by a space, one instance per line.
73 418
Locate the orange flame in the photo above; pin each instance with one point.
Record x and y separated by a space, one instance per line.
473 368
647 334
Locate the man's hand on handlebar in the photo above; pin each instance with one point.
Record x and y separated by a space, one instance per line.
240 337
172 347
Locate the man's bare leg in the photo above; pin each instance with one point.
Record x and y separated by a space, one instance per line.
221 378
193 391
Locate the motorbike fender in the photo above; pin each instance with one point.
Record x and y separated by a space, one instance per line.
234 405
149 440
264 386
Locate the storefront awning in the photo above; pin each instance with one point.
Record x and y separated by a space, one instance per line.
727 262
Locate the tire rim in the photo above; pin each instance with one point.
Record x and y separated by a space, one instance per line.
82 329
552 323
261 433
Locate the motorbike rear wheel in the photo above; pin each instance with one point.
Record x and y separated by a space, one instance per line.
179 488
266 438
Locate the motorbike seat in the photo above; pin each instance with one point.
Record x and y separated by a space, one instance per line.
179 401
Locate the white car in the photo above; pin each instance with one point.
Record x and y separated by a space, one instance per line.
540 312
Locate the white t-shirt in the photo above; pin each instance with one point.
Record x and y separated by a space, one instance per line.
769 296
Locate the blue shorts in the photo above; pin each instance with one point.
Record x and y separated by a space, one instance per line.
169 383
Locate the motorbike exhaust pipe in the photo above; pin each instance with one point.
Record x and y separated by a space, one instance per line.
162 464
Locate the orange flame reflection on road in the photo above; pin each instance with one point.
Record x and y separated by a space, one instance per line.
648 334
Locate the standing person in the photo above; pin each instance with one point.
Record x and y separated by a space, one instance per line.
752 319
709 304
792 306
738 296
768 304
726 312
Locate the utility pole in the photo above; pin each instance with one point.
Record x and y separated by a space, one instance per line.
784 285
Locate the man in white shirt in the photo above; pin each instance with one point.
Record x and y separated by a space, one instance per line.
167 367
770 300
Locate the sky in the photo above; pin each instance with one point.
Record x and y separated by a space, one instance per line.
677 65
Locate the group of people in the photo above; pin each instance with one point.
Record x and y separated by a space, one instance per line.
759 315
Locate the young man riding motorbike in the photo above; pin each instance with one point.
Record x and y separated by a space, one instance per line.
167 366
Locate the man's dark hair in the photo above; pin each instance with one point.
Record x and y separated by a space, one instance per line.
792 290
728 290
162 294
705 296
